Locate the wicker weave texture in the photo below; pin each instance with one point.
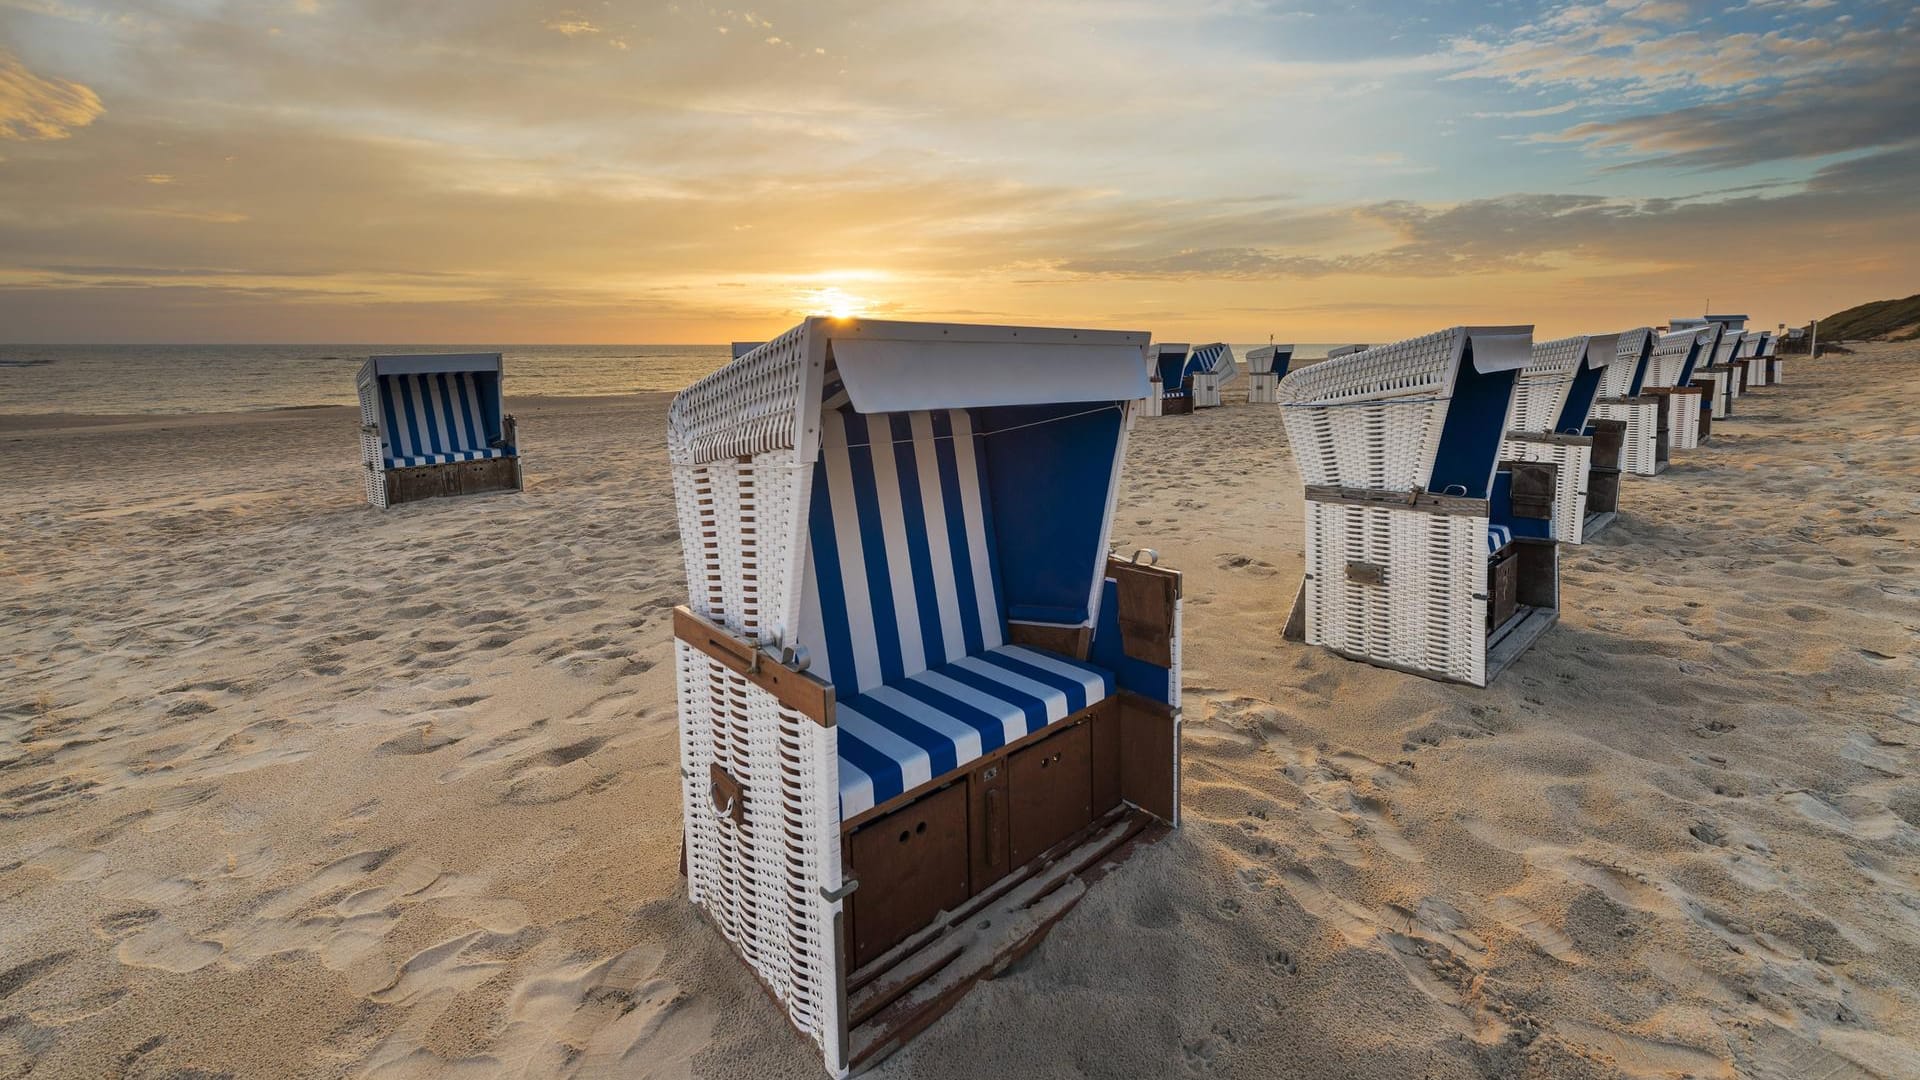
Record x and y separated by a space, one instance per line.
1617 380
1683 423
1373 419
737 440
1541 390
1717 389
1570 493
1206 391
1263 388
747 407
1428 613
372 465
1639 453
1669 359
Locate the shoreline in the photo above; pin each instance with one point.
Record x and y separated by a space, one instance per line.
45 422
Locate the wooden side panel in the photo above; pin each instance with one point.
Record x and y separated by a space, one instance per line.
1148 743
1147 596
1603 491
1051 786
1536 581
1608 437
1533 486
1503 585
1066 640
911 864
1105 739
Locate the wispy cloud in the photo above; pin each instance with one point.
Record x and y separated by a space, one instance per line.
41 107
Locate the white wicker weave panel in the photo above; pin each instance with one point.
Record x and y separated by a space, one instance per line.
1778 373
1541 389
760 880
1373 419
1263 388
372 462
1639 453
1683 423
1570 490
1206 391
748 407
1718 390
1617 380
1428 615
1667 362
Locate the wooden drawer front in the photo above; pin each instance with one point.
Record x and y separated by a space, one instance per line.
1051 789
911 865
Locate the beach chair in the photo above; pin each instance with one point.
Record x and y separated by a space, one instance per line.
1715 380
1424 553
1776 363
1209 369
1645 436
435 425
1753 358
1168 394
742 348
1266 366
1547 422
1339 351
921 710
1670 374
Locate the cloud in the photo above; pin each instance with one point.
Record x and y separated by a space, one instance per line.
38 107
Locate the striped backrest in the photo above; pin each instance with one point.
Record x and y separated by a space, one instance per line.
902 573
439 413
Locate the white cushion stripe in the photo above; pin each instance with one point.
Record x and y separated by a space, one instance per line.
1096 687
1054 698
965 738
933 505
853 558
1013 719
969 474
893 534
915 767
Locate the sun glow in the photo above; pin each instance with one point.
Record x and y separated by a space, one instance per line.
837 302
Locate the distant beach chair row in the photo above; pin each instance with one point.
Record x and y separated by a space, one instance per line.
923 708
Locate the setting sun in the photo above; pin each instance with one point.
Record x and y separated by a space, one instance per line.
837 302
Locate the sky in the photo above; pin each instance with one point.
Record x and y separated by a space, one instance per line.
614 171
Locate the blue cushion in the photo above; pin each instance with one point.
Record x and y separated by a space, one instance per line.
1498 536
902 571
440 417
896 737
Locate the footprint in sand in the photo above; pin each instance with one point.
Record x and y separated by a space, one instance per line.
1638 1056
439 968
164 946
1350 920
1526 922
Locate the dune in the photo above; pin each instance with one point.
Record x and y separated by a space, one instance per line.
293 788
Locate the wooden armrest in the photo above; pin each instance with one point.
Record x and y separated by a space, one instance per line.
793 688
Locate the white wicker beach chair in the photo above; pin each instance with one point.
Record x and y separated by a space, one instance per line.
1169 393
1670 375
435 425
1266 366
1645 440
1548 422
742 348
1422 552
1753 355
921 708
1210 368
1716 380
1339 351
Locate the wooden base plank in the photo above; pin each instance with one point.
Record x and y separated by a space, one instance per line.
913 985
1516 636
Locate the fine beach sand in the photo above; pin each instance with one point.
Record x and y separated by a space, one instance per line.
293 788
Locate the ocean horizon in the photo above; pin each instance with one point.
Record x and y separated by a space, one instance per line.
172 379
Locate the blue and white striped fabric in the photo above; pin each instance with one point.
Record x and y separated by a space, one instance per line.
901 735
436 419
902 574
1498 536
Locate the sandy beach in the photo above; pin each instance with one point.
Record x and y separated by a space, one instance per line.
289 787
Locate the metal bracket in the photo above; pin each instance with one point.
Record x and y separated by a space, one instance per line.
834 896
1153 557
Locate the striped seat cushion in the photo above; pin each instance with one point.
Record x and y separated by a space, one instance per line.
896 737
1498 536
440 417
902 574
444 459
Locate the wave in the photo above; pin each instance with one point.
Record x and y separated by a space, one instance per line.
25 363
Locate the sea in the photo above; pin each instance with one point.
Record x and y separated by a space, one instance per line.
134 379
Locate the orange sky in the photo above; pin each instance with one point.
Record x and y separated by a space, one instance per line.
509 171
